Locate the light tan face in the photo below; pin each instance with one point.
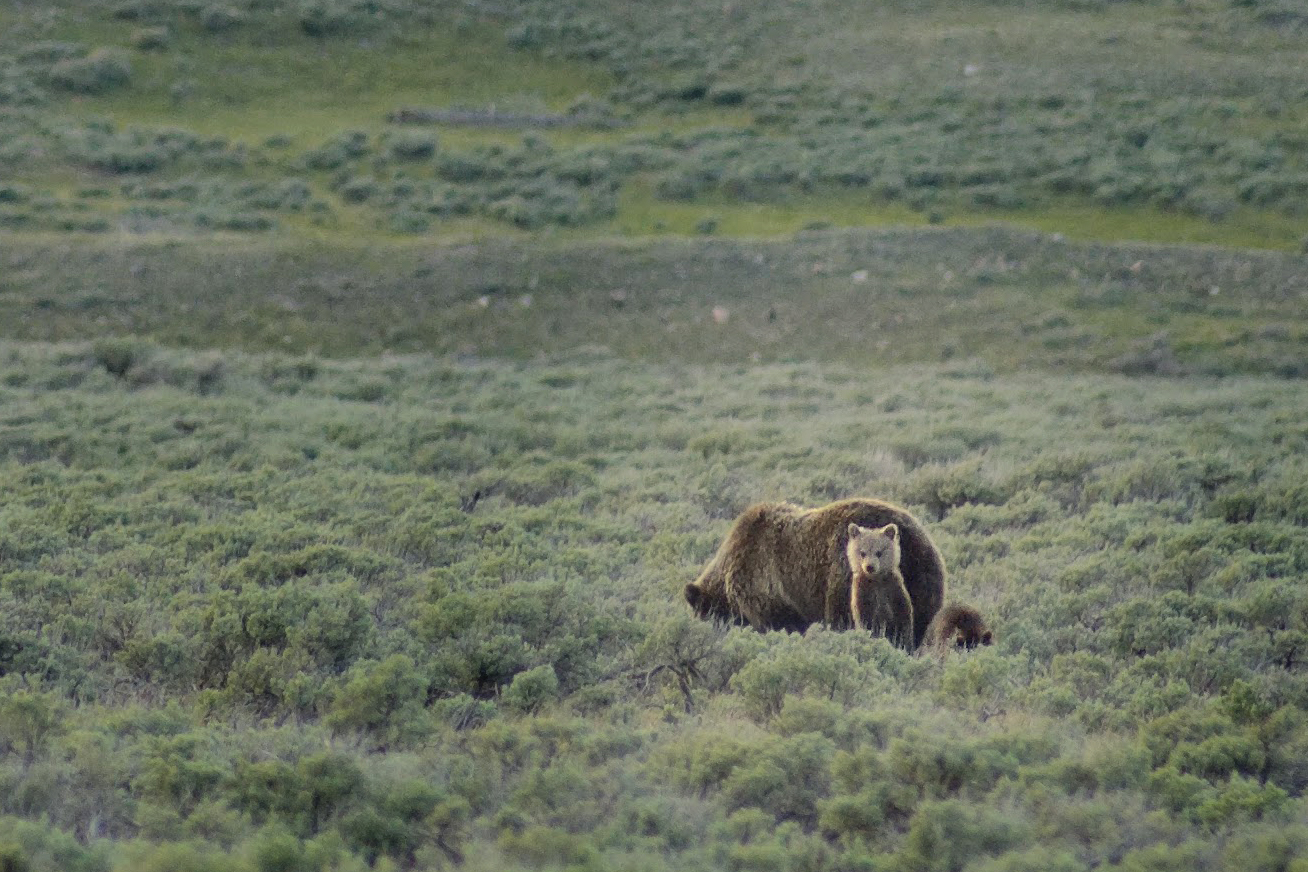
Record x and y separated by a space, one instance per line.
873 550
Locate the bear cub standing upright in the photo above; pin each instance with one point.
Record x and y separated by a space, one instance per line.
878 600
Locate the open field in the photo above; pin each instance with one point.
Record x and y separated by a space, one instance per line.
1153 120
1015 301
354 463
252 601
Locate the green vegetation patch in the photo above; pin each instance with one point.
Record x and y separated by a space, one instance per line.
1145 120
269 612
1009 299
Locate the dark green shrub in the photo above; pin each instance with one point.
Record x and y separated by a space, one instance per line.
1266 848
180 772
28 722
409 221
464 168
941 488
337 151
13 858
49 51
383 699
152 39
412 146
359 189
836 666
119 356
480 641
707 226
291 195
338 18
942 767
1219 757
1148 626
787 779
947 836
219 18
518 211
394 824
702 760
1241 800
166 856
531 690
681 185
1165 857
540 481
15 220
42 847
243 222
540 846
329 783
136 150
104 69
167 659
263 789
274 849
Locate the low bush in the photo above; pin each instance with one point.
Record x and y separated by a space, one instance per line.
411 146
220 18
152 39
102 70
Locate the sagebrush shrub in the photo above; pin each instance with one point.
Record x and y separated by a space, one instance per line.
102 70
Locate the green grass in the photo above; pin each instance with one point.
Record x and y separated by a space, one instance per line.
977 91
643 214
1016 301
309 91
358 542
287 550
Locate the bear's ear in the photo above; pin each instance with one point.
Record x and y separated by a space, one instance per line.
694 595
854 530
890 531
986 638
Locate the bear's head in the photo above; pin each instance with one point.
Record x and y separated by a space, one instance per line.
709 606
873 550
972 639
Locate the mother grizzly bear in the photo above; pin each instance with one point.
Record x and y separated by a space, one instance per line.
784 567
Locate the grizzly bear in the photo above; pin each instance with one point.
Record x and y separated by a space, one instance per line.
878 601
783 567
958 626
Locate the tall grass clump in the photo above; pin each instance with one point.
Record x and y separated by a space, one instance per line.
99 71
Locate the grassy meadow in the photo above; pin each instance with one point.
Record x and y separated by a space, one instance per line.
353 466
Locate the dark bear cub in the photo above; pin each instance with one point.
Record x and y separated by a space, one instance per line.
878 600
957 626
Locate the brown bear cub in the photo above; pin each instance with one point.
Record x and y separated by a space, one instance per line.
958 626
878 599
785 567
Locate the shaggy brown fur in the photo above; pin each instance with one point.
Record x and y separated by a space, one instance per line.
783 567
958 626
878 601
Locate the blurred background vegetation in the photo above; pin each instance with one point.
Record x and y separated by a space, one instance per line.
375 373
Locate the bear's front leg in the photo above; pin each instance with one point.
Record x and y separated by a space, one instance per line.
838 615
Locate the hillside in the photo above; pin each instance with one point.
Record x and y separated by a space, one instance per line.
1152 120
374 375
